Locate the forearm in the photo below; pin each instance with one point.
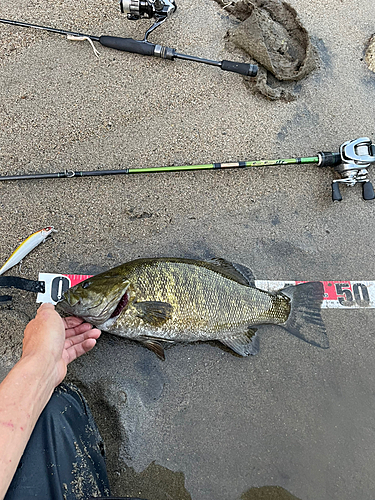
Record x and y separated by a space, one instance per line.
23 394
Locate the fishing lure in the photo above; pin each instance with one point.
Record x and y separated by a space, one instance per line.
27 246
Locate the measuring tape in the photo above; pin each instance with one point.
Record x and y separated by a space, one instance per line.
337 294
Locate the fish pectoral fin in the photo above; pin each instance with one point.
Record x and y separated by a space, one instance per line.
154 313
245 343
154 346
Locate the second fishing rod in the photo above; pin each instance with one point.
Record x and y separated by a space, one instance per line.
351 162
160 11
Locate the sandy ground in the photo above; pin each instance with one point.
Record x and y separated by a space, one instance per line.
204 424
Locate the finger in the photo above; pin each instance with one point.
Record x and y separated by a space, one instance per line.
46 314
46 305
82 328
93 333
72 321
75 351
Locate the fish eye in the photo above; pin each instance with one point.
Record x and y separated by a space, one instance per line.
86 284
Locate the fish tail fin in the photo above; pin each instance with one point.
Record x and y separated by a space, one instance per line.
305 320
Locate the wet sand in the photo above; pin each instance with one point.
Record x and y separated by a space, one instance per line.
204 424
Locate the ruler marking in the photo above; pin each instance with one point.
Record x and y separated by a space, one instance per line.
350 294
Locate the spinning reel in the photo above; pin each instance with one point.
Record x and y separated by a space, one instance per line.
139 9
160 10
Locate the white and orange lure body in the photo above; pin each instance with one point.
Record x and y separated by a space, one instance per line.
26 246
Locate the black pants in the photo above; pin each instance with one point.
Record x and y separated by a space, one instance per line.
64 458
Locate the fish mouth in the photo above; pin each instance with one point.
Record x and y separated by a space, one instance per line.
67 302
70 298
96 309
123 302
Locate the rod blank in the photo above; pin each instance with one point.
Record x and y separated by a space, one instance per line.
150 170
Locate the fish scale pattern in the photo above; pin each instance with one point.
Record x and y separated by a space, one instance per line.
204 303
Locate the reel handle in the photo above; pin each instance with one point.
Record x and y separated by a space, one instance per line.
368 191
336 195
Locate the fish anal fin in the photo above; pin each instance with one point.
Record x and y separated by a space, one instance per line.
244 344
155 313
233 271
154 346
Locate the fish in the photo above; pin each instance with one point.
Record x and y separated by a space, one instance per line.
27 246
156 300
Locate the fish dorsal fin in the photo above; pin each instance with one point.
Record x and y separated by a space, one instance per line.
243 343
153 312
233 271
154 346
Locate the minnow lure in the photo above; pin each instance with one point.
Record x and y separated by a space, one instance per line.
25 248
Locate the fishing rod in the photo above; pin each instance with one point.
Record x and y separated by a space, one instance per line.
351 162
160 10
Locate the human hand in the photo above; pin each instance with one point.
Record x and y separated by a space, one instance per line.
57 341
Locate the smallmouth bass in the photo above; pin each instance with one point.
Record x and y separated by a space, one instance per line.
170 300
